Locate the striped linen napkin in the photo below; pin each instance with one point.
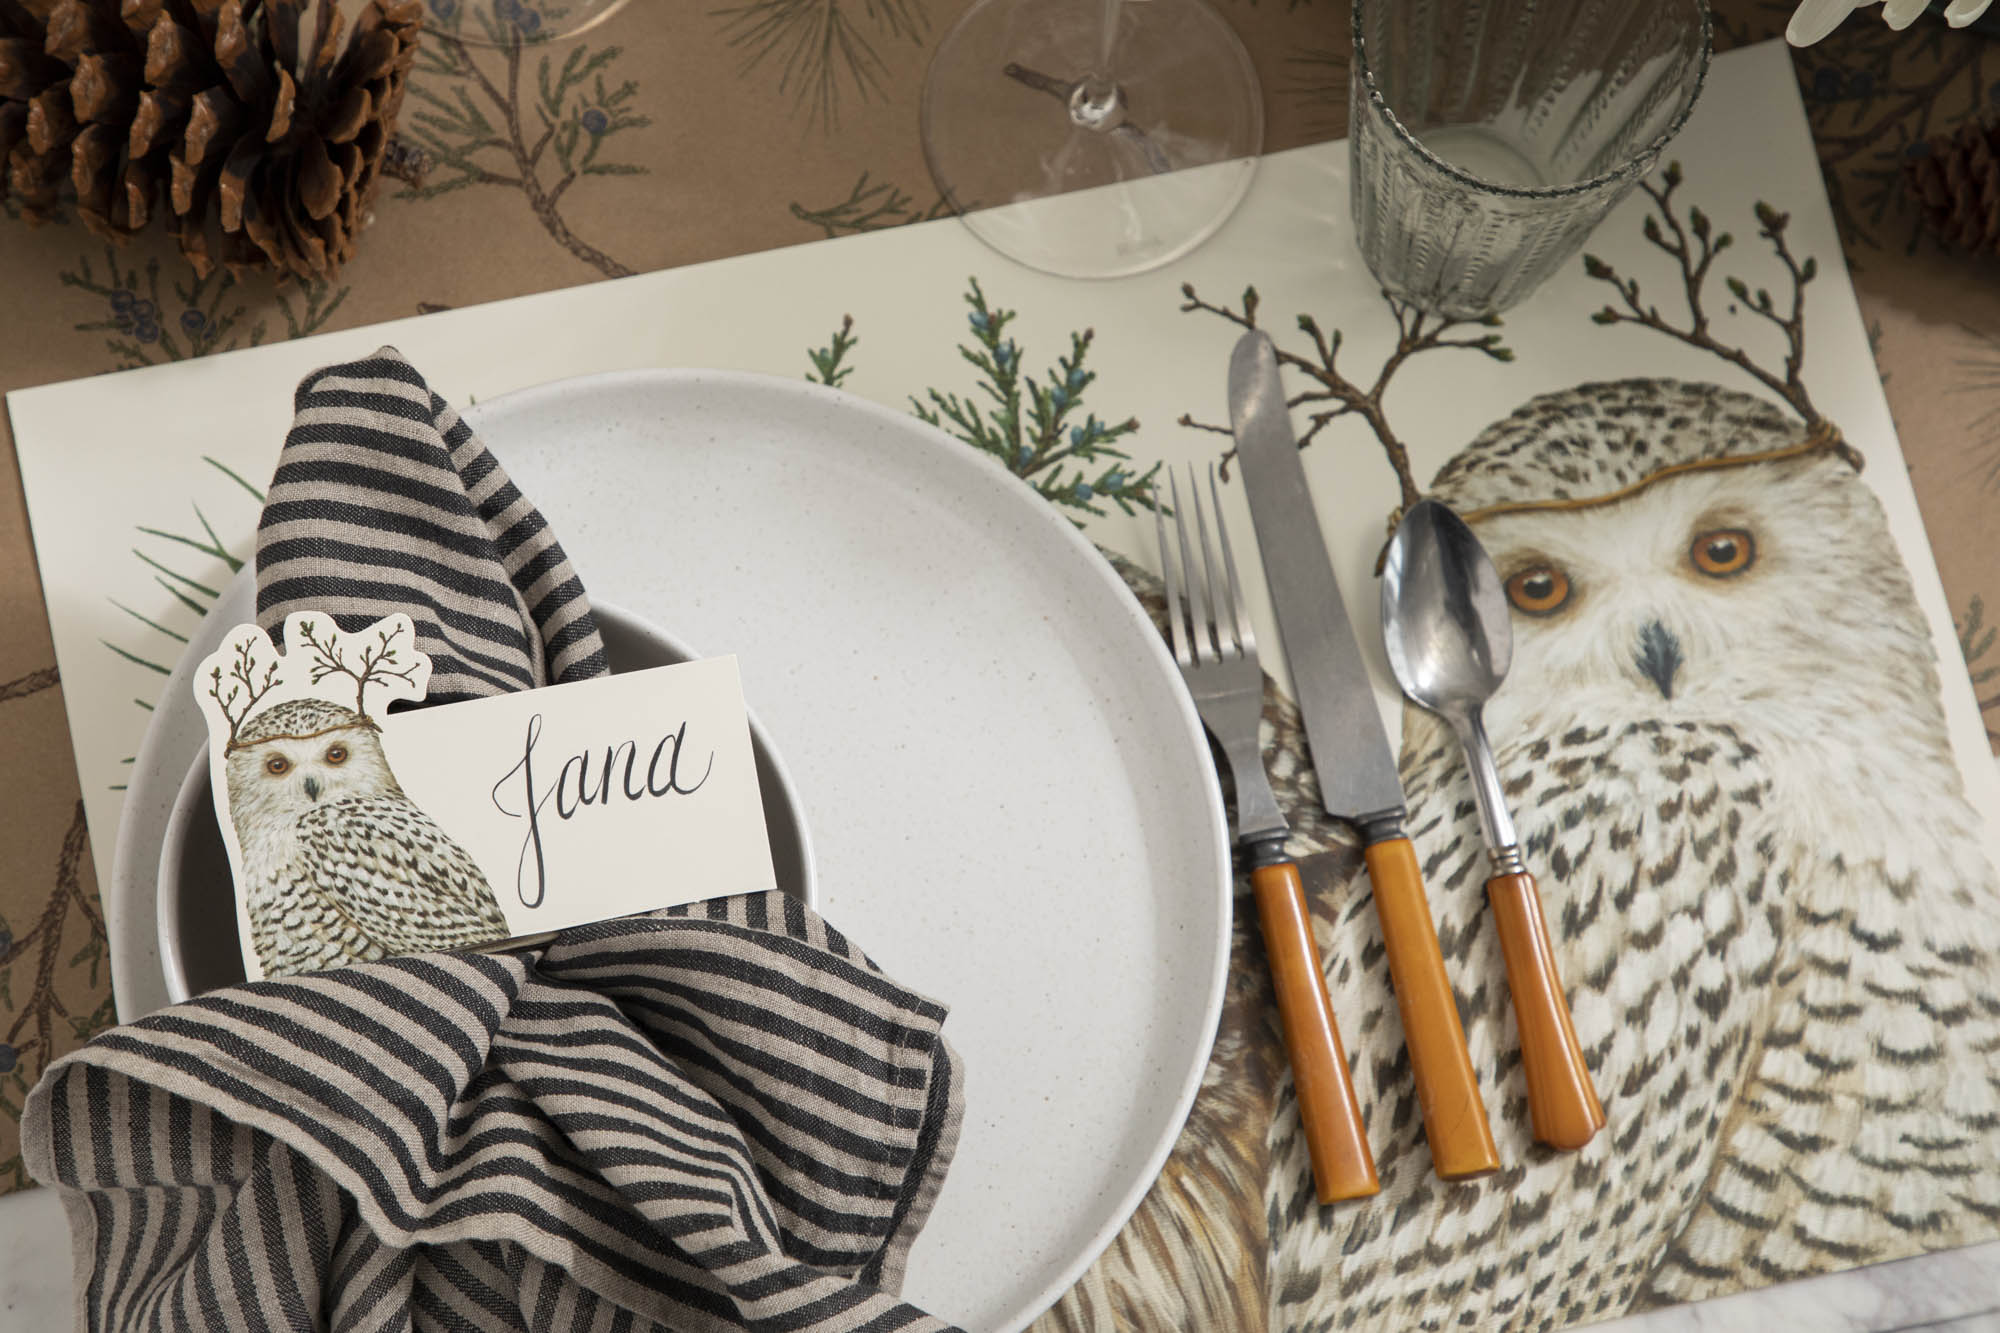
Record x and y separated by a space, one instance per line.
718 1117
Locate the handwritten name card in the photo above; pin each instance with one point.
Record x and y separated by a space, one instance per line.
357 834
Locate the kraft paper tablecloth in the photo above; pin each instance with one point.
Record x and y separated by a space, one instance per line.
720 149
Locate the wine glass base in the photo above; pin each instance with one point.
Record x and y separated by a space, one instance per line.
1083 167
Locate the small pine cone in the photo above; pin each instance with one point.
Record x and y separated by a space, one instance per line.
1957 187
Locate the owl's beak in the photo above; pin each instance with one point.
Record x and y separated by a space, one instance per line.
312 789
1659 656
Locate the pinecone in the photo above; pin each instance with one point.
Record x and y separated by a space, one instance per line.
257 138
1957 186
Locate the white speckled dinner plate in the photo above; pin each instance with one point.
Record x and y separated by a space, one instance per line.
1012 803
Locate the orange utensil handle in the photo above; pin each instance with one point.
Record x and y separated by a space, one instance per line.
1562 1102
1343 1168
1447 1090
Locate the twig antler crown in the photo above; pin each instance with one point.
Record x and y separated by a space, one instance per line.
1694 245
244 684
1333 393
379 660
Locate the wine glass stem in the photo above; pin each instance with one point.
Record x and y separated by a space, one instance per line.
1107 37
1094 101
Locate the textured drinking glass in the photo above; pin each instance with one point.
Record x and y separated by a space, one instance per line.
1489 137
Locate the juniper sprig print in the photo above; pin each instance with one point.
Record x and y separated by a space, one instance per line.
1037 427
482 127
1030 424
147 321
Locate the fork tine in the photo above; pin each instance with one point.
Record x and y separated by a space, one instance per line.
1226 644
1237 610
1201 621
1176 611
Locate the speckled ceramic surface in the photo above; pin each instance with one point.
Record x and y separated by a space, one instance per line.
1012 805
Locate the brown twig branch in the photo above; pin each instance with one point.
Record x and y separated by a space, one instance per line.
1416 332
243 685
376 661
32 683
45 937
1693 247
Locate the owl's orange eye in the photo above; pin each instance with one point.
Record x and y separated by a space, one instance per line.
277 765
336 754
1723 552
1539 590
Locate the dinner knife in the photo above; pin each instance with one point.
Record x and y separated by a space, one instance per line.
1350 753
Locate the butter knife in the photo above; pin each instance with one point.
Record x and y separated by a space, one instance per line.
1350 753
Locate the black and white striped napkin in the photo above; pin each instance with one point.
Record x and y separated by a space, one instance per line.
719 1117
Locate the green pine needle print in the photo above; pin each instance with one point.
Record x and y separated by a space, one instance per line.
828 367
821 47
870 207
181 562
1030 425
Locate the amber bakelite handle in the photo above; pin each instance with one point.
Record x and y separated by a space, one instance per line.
1562 1102
1342 1166
1447 1090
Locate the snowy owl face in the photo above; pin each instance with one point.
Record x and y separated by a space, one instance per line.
280 771
1711 597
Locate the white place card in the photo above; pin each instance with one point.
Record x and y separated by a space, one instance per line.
356 833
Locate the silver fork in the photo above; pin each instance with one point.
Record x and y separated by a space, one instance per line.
1217 654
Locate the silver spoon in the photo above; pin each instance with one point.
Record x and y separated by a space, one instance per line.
1445 625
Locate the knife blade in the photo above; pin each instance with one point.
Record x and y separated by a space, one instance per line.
1359 782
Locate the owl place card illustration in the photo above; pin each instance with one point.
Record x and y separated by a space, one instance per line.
355 834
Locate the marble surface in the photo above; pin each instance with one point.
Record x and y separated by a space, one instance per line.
1956 1291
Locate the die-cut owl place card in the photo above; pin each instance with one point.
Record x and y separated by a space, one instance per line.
355 833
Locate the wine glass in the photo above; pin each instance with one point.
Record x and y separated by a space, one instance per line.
1092 139
506 22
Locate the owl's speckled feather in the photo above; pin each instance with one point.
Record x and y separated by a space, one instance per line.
1779 931
341 866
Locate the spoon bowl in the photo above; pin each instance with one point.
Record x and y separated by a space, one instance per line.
1444 613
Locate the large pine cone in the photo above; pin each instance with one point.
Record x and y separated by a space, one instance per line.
265 133
1957 186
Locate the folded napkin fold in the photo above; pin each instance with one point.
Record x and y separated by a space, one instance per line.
717 1117
384 500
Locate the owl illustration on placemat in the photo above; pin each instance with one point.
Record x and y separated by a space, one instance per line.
1724 745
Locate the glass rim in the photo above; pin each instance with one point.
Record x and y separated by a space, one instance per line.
1639 162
